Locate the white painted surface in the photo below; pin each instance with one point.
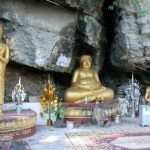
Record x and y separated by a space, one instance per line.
34 99
144 115
63 61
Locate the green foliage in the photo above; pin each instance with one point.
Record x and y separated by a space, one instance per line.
136 4
56 112
139 10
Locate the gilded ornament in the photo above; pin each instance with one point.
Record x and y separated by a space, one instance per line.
50 103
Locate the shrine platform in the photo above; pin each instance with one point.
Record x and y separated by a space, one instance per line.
18 125
78 113
84 113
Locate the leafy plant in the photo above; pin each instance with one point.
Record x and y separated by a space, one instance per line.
56 110
139 10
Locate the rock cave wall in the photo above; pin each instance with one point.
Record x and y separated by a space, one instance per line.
47 37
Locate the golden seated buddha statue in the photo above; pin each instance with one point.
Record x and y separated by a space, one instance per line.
86 83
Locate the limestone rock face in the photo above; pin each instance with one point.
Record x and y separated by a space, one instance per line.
90 30
40 35
50 37
90 7
90 27
131 48
33 81
44 38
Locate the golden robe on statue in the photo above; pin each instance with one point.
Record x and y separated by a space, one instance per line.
86 83
4 58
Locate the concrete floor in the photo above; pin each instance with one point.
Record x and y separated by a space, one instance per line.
45 139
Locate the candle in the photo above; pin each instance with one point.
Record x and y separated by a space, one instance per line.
86 100
19 81
48 79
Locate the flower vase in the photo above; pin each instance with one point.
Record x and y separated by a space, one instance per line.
49 124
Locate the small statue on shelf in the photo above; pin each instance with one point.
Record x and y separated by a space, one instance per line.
4 59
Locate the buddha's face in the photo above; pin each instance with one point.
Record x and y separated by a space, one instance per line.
86 62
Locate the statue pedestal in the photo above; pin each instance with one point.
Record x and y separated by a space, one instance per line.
78 113
18 125
87 113
36 106
106 112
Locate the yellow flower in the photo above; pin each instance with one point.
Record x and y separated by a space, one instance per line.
55 101
55 105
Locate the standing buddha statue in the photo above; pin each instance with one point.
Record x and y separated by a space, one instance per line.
4 59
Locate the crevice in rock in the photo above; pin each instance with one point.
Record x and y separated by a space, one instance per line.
110 24
112 76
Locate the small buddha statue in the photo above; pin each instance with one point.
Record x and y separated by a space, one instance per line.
147 94
86 83
4 58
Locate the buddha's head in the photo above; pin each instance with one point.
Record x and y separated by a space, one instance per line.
86 61
1 32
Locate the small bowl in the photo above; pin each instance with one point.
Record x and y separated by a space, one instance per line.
70 125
